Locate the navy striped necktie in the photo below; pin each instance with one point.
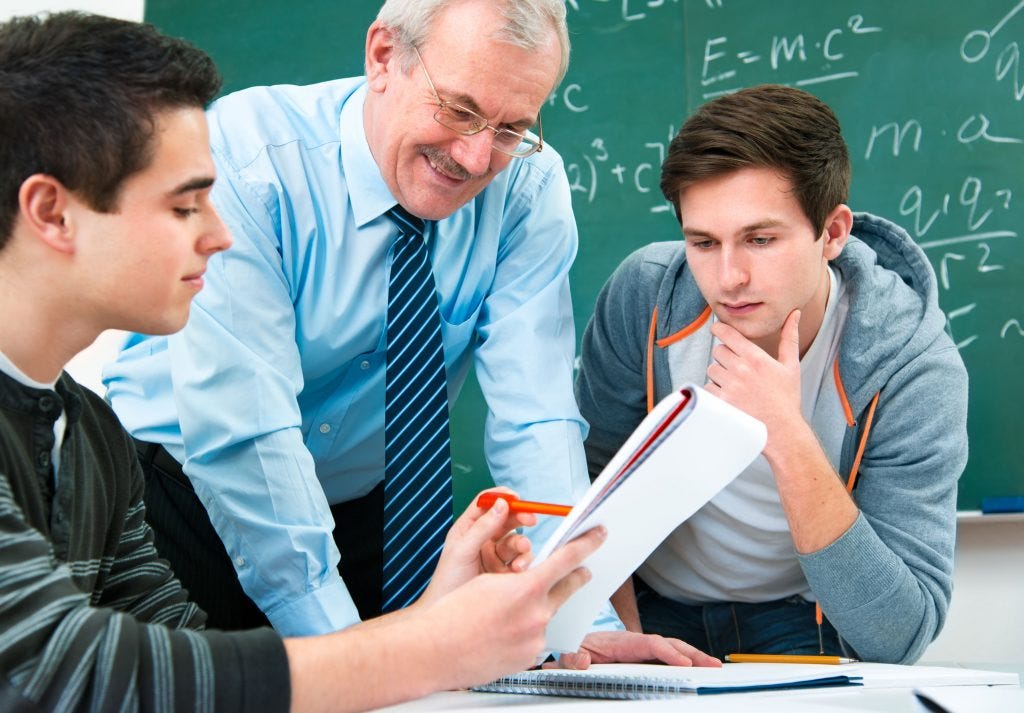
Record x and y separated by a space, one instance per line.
417 456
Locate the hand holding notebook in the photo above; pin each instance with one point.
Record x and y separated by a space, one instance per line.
689 447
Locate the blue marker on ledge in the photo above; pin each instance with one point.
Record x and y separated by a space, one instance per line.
1002 504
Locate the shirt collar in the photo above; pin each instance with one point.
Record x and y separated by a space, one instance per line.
367 190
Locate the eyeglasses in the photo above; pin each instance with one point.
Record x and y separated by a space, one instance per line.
468 123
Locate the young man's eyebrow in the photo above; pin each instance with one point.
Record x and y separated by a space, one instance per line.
750 228
194 184
761 225
697 232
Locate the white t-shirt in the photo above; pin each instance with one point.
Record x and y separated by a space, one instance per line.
738 547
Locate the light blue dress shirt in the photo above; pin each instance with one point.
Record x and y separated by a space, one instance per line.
273 394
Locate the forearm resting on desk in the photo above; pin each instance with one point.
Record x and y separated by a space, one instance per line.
624 601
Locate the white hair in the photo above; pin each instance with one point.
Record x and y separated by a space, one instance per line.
527 24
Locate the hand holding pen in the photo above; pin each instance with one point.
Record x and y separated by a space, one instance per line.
487 499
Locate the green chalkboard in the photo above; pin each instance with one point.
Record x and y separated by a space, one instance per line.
931 100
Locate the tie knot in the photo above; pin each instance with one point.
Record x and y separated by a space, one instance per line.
406 221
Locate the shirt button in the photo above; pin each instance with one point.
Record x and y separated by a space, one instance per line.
43 459
46 403
240 561
325 428
364 365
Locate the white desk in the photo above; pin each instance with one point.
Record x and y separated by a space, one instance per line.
882 701
822 700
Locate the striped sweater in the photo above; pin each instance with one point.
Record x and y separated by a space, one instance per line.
90 617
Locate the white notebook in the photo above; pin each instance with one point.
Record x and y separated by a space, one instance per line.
689 447
643 681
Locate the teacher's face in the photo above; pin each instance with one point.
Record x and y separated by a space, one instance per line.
430 169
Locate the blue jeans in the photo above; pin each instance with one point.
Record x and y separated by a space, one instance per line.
784 626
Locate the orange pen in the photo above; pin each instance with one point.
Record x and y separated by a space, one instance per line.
486 500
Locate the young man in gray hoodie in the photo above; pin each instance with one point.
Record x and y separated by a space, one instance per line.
823 324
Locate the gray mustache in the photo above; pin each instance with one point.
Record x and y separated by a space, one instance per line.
446 163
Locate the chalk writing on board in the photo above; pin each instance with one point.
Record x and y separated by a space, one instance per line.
953 314
636 169
721 64
1010 327
983 264
977 203
977 43
983 267
900 132
976 127
571 96
631 10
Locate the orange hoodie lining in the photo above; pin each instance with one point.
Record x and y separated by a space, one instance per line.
863 442
842 393
650 360
852 479
666 341
685 331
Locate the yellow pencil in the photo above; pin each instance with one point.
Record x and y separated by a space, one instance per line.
785 658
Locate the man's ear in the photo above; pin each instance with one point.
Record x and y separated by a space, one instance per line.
380 51
838 225
43 204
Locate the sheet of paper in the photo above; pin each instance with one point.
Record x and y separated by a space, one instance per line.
710 445
883 675
974 699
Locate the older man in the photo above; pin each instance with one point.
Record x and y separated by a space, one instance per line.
389 229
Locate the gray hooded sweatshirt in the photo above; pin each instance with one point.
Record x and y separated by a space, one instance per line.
885 583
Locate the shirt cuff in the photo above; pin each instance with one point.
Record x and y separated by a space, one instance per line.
607 620
326 609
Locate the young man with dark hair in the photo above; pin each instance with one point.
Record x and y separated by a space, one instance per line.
823 324
106 222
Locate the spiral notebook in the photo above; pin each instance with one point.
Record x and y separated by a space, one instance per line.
642 681
690 446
